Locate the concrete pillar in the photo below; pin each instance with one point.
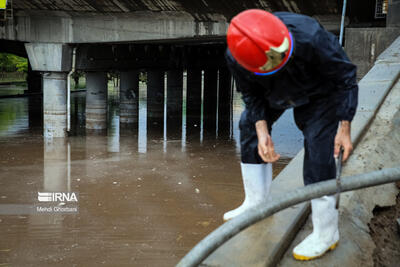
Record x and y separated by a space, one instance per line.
193 103
54 59
393 15
224 102
54 104
96 100
129 96
155 102
210 101
174 103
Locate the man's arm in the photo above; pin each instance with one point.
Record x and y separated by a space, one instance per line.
266 148
343 139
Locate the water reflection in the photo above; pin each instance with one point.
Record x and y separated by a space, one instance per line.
23 115
55 160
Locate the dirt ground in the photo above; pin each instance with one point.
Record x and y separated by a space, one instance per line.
385 233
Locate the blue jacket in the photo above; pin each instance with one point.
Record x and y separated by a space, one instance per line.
318 68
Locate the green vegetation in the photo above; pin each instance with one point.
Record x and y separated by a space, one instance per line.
12 68
78 80
13 63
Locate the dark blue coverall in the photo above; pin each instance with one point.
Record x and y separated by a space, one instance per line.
319 82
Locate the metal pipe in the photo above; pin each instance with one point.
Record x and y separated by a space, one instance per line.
342 22
69 90
229 229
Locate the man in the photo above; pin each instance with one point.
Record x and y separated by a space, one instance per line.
285 60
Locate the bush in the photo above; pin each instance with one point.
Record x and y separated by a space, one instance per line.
13 63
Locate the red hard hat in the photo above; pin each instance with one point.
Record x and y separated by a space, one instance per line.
259 41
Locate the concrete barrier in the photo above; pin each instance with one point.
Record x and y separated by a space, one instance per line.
264 243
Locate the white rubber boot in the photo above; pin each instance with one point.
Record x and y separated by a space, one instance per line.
325 235
257 180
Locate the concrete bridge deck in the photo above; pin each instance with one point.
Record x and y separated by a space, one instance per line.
126 20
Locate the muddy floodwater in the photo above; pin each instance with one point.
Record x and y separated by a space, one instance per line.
143 199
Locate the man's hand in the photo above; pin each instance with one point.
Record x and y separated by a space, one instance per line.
343 139
266 148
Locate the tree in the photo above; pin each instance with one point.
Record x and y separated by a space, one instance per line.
12 63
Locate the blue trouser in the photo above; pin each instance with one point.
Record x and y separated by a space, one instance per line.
318 122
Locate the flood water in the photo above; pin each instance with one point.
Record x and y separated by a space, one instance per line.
144 199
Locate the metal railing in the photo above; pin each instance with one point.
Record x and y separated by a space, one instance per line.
229 229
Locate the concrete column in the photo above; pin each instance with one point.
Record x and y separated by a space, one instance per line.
54 59
193 103
224 102
210 101
155 102
174 103
54 104
129 96
96 100
393 15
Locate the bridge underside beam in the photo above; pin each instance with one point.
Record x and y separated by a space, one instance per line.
169 56
78 27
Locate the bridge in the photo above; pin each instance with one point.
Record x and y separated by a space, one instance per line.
125 36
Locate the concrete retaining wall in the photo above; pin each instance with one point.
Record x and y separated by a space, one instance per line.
364 45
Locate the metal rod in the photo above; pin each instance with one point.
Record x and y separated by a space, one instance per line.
69 90
338 174
342 22
229 229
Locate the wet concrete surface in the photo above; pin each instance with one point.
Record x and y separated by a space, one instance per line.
144 199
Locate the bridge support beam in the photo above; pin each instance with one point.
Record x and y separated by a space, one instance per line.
54 104
224 102
210 101
174 103
155 102
193 103
129 96
96 100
